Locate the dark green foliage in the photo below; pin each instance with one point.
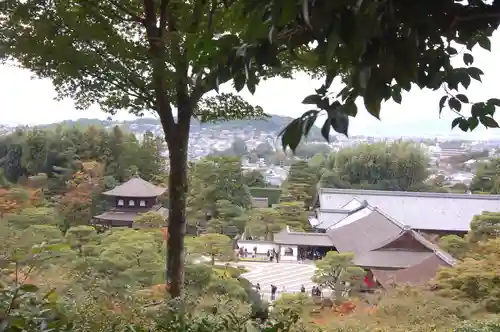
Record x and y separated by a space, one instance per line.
484 227
59 153
254 178
398 166
216 179
487 177
272 194
301 182
378 51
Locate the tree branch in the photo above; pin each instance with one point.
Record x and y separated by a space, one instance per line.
134 16
157 52
163 16
104 56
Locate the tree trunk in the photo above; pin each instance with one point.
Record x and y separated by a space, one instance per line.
178 184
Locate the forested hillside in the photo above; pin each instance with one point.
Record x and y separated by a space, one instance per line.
272 124
30 152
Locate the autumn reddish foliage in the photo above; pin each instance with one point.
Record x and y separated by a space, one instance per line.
76 204
344 309
14 200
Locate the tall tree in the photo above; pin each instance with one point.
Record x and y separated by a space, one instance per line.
161 56
301 181
382 166
213 245
487 177
215 179
484 227
337 272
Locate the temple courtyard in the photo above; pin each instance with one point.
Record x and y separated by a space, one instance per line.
291 276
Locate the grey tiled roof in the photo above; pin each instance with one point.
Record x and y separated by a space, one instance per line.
422 211
366 233
123 215
328 218
391 258
303 239
117 216
417 274
136 187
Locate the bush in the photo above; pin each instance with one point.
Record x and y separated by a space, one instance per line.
492 325
405 310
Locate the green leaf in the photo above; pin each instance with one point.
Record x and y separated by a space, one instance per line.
373 107
462 98
292 134
494 101
488 122
455 122
485 43
472 122
475 73
441 103
396 95
312 99
325 129
309 119
239 82
455 104
463 125
350 109
451 51
465 80
477 109
28 288
468 59
340 123
489 109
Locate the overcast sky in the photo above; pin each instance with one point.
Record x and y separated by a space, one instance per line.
27 100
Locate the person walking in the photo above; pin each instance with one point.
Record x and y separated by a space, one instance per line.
273 292
302 289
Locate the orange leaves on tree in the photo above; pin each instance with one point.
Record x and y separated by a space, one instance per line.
76 204
14 200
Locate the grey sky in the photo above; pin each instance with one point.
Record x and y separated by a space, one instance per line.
26 100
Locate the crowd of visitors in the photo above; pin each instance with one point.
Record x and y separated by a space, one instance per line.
315 291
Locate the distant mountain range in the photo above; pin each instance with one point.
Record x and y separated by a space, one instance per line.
273 124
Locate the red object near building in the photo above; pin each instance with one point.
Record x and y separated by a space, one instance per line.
368 282
165 232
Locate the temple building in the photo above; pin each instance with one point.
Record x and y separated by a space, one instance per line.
426 212
129 200
388 250
392 235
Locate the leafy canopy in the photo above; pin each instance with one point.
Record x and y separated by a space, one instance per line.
378 50
115 53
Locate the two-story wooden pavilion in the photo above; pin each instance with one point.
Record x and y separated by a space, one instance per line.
130 199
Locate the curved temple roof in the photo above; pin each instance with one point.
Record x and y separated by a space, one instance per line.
136 187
